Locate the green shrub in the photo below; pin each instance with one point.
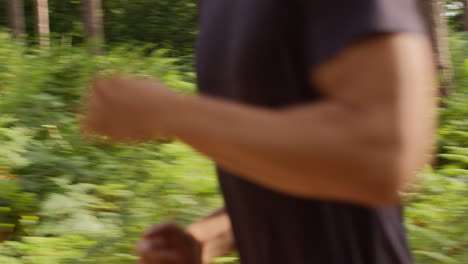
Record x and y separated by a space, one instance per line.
68 200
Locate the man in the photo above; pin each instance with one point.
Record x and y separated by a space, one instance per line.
317 112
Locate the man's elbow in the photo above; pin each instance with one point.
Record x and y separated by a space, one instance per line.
394 153
394 173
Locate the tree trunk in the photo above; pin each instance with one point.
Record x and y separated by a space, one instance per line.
92 16
438 28
42 22
16 17
465 15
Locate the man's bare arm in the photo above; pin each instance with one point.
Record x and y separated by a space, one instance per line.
371 132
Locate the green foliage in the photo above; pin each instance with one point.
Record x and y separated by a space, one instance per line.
64 199
68 200
437 214
436 218
169 23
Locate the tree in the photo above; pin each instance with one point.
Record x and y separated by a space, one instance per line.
465 15
42 21
16 17
438 28
92 16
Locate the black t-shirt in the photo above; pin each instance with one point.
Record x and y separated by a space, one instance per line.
261 52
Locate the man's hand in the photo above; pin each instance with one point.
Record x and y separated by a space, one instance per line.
167 243
127 109
215 234
203 241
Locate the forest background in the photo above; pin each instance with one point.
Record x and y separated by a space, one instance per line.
65 200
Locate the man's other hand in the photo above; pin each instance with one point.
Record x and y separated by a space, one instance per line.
167 243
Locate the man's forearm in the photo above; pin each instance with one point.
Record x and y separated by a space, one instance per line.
360 143
320 151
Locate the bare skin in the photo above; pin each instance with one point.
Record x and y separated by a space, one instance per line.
201 242
214 234
167 243
361 144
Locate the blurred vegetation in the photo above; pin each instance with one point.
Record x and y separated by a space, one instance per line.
67 200
437 215
168 24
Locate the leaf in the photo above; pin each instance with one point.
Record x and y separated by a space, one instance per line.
225 260
435 256
455 157
453 171
9 260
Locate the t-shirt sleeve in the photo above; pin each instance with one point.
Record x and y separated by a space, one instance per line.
332 25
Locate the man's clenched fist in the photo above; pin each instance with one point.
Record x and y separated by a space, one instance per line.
128 109
167 243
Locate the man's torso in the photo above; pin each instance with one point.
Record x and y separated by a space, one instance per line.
255 51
